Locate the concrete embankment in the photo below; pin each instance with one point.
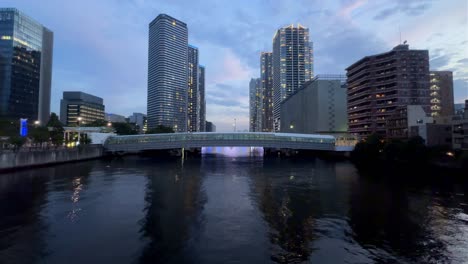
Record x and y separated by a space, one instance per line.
25 158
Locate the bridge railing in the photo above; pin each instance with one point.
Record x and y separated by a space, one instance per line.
194 140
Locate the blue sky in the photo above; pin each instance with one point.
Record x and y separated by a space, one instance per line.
101 45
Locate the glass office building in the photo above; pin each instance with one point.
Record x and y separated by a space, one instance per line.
25 67
167 73
78 105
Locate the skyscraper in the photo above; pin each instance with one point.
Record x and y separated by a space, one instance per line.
255 105
266 75
167 73
381 86
193 110
201 88
25 67
292 64
442 101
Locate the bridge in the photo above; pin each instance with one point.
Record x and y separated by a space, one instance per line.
138 143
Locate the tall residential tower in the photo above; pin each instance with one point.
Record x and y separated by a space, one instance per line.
266 75
255 105
167 73
292 64
193 110
25 67
201 88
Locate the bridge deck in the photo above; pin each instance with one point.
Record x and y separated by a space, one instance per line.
136 143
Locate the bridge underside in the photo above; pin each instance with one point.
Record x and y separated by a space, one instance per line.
139 143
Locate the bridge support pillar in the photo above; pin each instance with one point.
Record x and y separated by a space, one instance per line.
192 152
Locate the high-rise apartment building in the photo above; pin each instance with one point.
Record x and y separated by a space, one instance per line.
77 108
442 101
201 88
25 67
255 105
381 85
292 64
193 110
167 73
266 75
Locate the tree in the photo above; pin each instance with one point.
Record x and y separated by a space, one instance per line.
9 127
56 129
17 141
40 134
96 123
160 129
124 129
369 150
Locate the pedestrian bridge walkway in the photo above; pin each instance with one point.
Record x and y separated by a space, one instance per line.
137 143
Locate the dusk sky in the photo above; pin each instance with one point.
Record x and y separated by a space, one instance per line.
101 46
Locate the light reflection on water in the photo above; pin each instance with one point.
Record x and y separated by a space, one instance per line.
233 151
230 205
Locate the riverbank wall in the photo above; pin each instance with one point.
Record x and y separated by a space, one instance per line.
27 158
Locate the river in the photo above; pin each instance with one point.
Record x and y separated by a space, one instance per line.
228 206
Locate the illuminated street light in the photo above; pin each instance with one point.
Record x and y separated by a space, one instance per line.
109 124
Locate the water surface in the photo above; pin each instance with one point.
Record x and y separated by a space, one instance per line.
228 207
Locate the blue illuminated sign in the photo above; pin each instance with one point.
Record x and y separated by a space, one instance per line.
23 127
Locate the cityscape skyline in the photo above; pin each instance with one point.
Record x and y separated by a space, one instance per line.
230 50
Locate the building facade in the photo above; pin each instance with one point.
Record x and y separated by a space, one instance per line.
139 119
210 127
460 130
381 84
25 67
255 105
266 75
167 73
318 107
201 88
292 65
442 101
193 110
114 118
78 108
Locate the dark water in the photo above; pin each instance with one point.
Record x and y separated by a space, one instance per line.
227 209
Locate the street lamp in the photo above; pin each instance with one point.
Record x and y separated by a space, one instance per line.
36 123
109 124
78 123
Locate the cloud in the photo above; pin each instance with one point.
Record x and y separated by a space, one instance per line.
463 61
409 8
460 90
440 61
347 9
101 46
